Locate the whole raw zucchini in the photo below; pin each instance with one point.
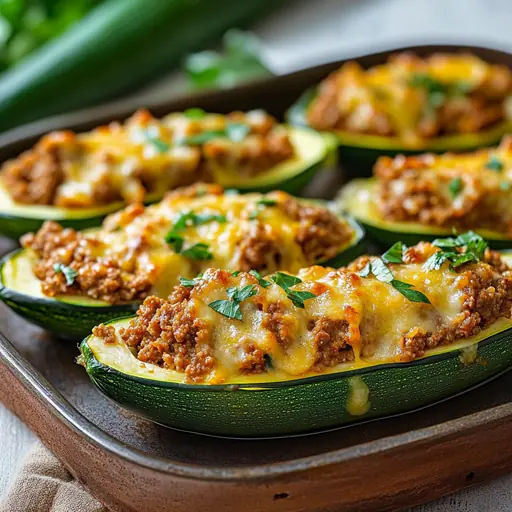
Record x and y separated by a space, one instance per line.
118 46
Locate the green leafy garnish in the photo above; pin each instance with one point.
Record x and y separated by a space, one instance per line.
69 273
286 281
379 269
175 240
266 201
474 244
194 113
231 308
262 282
198 251
395 253
187 283
494 164
408 291
254 214
505 186
455 186
237 132
158 143
201 138
236 273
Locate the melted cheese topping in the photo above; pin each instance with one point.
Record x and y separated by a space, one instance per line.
235 218
379 318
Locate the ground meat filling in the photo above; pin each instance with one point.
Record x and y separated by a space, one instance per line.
395 99
411 189
321 234
259 249
107 279
145 155
171 334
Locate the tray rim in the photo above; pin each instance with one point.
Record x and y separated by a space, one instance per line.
66 413
39 386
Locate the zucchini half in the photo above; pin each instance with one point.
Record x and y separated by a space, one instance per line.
73 317
359 152
357 200
254 408
312 150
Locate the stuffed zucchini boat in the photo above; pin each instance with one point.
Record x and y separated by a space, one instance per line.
235 355
99 274
409 105
77 179
424 197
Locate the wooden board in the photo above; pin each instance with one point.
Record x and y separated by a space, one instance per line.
134 465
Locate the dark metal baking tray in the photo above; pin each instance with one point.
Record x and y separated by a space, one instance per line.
134 465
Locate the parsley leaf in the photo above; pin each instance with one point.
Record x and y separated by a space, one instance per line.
285 281
505 186
201 138
231 308
455 186
194 113
254 214
158 143
437 259
408 291
298 297
198 251
235 273
378 268
209 217
394 253
262 282
494 164
227 308
187 283
69 273
266 201
175 240
380 271
237 132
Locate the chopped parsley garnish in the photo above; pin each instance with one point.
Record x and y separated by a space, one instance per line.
194 113
254 214
437 92
455 186
198 251
188 283
395 253
494 164
474 245
231 308
266 201
286 281
235 273
69 273
262 282
505 186
235 132
157 142
379 269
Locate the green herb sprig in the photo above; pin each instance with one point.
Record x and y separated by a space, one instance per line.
69 273
287 281
231 308
378 268
474 244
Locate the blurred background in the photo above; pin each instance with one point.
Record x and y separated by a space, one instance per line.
62 55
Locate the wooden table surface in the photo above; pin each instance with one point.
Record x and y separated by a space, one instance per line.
328 30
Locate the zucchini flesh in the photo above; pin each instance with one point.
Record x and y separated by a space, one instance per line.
255 406
356 200
311 151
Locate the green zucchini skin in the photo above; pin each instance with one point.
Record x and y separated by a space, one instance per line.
67 321
306 405
358 161
118 46
385 238
74 321
14 227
